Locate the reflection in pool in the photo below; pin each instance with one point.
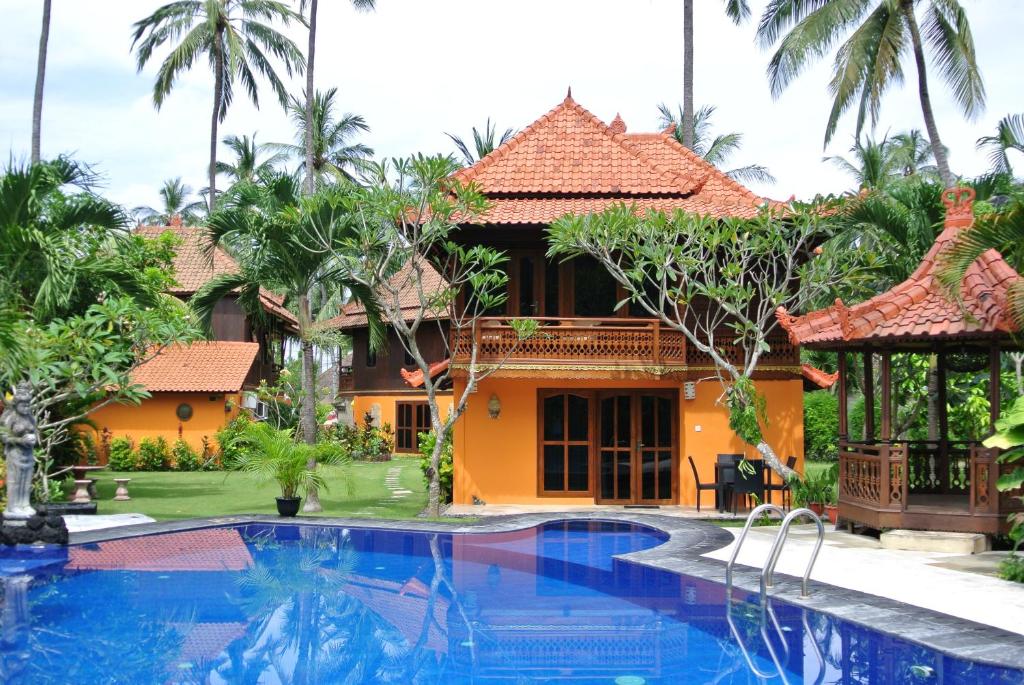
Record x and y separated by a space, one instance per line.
303 604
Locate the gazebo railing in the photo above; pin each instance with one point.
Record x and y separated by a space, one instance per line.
873 475
938 468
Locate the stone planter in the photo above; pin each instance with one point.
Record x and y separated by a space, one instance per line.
832 511
288 506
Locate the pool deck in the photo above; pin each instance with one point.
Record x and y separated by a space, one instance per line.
921 597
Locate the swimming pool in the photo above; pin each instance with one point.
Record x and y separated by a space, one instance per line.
266 603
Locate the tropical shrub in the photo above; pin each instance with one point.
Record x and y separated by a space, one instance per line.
446 468
816 488
85 446
366 442
1012 568
821 425
154 454
229 439
122 454
1009 436
185 458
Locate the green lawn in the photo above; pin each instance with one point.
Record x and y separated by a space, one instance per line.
357 490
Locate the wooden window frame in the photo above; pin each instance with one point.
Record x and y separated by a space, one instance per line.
543 394
413 406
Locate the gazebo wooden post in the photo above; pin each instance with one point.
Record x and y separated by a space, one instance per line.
844 432
869 397
886 397
942 463
994 389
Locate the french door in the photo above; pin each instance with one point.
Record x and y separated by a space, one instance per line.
636 448
411 419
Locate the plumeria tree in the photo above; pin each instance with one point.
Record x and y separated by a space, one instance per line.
406 236
718 281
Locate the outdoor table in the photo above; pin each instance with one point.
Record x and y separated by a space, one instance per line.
81 472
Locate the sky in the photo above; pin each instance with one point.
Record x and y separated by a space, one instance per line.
415 69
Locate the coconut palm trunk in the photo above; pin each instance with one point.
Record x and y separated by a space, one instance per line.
310 94
907 7
218 96
688 74
307 406
37 104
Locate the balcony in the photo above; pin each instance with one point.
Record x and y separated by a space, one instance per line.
636 344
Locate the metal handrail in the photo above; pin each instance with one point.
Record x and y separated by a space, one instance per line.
776 550
763 675
754 513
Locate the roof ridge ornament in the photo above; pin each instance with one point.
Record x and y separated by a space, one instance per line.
568 93
959 203
618 125
175 220
843 314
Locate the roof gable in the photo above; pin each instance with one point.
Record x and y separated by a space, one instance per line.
571 151
215 366
918 308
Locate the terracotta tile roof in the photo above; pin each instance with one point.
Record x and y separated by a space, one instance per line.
213 549
569 161
195 265
414 379
215 366
918 309
207 640
813 376
406 606
353 315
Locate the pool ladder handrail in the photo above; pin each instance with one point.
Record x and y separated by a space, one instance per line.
780 539
768 570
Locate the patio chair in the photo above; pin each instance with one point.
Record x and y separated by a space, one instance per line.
785 494
718 487
725 473
748 484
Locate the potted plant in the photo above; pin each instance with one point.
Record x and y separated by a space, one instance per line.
815 490
272 454
832 502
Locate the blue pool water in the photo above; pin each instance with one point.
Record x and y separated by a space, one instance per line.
303 604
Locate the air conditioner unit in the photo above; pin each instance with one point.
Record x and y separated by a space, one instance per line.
261 411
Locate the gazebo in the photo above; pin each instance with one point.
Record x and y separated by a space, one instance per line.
936 484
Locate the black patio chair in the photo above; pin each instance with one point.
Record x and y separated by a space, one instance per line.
748 484
718 487
725 473
785 494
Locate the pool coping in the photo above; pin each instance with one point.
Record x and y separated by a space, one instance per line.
682 553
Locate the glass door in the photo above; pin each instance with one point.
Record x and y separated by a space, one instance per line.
636 448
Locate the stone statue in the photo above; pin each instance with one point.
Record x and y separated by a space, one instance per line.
18 432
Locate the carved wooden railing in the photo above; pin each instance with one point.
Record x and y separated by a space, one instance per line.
346 382
781 352
938 468
574 342
873 475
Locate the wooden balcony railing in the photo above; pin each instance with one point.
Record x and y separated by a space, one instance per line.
781 352
574 341
873 475
346 382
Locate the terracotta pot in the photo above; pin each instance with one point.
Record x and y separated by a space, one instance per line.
288 506
817 507
832 511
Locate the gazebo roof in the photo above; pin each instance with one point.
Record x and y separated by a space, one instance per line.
918 310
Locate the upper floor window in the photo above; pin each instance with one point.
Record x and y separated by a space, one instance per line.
594 289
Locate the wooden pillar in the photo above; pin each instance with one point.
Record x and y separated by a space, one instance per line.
844 432
886 397
869 397
943 407
994 369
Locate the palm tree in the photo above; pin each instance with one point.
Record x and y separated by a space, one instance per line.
247 165
292 245
714 149
738 11
37 102
310 93
912 153
881 32
483 143
176 202
335 157
1009 136
872 165
236 39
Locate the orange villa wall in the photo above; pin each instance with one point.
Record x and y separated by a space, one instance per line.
496 459
363 403
156 417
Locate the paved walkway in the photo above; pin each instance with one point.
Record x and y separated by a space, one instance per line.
953 584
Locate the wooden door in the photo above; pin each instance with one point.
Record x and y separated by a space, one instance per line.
411 419
636 455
